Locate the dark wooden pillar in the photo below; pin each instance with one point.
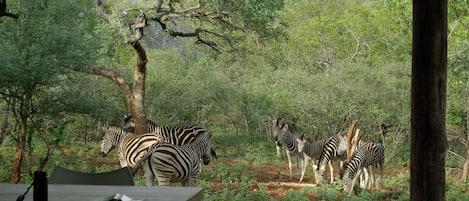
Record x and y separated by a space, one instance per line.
428 104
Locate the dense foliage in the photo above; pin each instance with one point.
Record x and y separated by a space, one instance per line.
320 64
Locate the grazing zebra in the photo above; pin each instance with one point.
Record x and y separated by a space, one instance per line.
171 163
311 151
275 129
372 155
177 135
131 147
334 149
287 139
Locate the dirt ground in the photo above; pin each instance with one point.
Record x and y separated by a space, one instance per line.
278 183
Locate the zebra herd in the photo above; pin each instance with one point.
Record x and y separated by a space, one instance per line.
169 153
365 157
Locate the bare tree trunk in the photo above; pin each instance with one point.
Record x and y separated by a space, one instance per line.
137 104
465 171
428 100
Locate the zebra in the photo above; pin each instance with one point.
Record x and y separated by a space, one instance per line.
171 163
311 151
287 140
177 135
334 149
131 147
370 154
275 129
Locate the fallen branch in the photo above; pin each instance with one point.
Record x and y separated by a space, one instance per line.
292 184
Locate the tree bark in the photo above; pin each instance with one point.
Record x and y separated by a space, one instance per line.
428 100
137 100
21 140
465 171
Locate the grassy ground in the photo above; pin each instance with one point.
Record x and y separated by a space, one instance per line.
248 172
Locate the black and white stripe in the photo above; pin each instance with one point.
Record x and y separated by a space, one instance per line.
171 163
131 147
177 135
287 140
370 156
311 151
334 149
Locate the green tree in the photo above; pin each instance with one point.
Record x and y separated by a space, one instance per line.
201 18
36 50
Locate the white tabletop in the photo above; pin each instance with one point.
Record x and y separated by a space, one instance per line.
100 192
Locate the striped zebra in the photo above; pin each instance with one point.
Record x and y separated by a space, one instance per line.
177 135
287 140
370 156
171 163
334 149
311 151
131 147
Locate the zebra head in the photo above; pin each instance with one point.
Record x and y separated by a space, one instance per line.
206 150
283 132
128 124
109 140
347 182
301 139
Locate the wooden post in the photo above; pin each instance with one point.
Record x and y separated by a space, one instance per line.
428 100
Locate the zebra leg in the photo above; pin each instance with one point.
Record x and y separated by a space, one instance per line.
355 180
279 149
149 177
380 177
331 168
299 162
289 162
305 164
371 178
315 171
364 178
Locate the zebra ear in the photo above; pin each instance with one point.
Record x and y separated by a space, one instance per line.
127 118
302 136
209 135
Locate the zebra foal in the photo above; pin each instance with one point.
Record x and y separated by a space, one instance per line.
311 151
171 163
369 155
131 147
287 140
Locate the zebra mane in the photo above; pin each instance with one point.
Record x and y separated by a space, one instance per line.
114 129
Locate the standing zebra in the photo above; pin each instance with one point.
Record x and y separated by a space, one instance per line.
171 163
177 135
275 129
287 139
334 149
371 154
311 151
131 147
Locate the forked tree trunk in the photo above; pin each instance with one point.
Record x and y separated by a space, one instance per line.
428 100
349 139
